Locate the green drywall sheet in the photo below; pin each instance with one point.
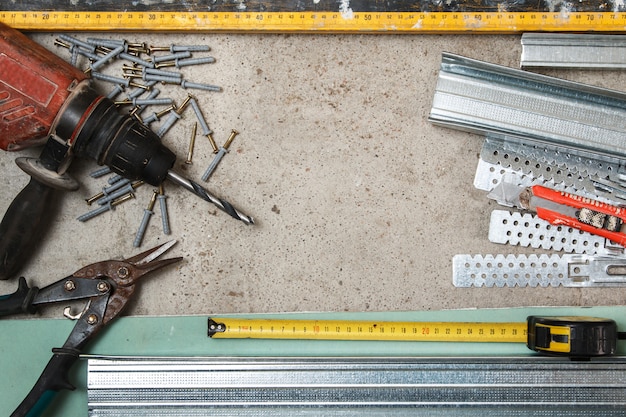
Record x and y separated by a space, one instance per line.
26 345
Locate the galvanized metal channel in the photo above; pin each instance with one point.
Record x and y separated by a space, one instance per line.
517 386
573 50
486 98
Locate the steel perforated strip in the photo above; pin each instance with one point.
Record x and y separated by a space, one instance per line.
526 229
536 271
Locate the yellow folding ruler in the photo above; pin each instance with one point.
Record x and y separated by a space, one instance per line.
323 16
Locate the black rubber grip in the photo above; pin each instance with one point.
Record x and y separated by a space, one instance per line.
53 379
21 301
23 226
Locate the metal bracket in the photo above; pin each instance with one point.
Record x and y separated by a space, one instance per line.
538 270
526 229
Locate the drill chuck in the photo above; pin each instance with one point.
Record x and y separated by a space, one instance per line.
124 144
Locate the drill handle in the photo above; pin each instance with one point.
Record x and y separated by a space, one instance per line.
23 226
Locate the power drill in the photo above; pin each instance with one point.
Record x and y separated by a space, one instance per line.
46 101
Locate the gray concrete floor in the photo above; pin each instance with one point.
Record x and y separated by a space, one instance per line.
360 202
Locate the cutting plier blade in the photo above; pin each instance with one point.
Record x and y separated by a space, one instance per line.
114 284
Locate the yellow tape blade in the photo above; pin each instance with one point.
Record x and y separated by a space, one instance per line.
234 328
335 22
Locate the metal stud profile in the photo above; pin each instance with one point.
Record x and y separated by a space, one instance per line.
486 98
476 386
573 50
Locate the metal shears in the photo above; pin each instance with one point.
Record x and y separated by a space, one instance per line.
108 286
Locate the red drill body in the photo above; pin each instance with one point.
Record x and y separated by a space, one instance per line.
34 85
45 100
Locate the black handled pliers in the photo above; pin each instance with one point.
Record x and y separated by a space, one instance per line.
108 286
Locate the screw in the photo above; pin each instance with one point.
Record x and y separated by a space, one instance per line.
114 179
139 48
205 87
69 285
147 213
75 41
111 79
153 77
155 71
172 57
168 123
141 90
136 60
119 191
58 42
205 128
117 90
162 79
107 190
109 56
184 104
147 86
163 204
179 63
100 172
178 48
192 142
92 319
220 154
145 102
157 116
106 207
103 286
194 61
109 43
137 110
233 133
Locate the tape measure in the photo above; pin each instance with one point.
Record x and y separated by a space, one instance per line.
316 21
576 337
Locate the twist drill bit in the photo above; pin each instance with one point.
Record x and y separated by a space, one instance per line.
201 192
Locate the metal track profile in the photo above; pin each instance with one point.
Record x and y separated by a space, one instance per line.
577 271
517 386
573 50
485 98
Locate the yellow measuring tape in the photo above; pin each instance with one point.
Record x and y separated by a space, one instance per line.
332 22
234 328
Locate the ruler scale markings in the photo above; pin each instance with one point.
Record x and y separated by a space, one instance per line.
360 330
414 21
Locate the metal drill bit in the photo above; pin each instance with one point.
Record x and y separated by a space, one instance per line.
201 192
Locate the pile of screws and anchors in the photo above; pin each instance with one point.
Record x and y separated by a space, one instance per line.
143 68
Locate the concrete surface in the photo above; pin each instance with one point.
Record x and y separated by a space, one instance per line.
360 203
